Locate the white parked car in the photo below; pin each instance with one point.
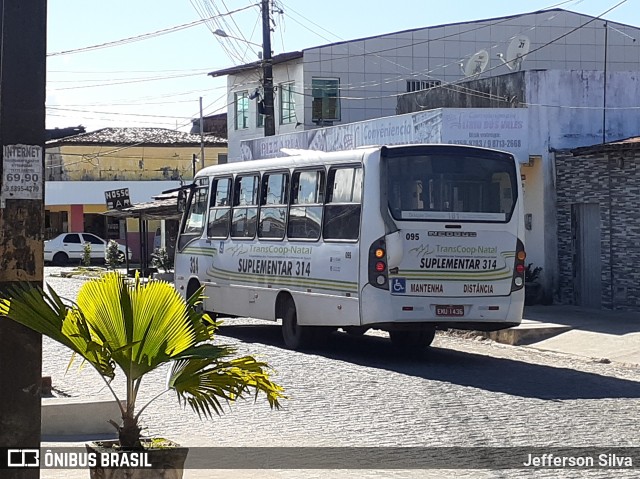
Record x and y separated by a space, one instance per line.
70 247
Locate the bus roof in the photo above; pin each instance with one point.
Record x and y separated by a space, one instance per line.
314 157
308 157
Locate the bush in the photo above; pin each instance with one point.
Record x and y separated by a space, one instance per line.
160 259
113 257
532 274
86 254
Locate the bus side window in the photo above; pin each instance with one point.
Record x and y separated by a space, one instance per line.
245 208
343 207
273 205
194 223
305 214
219 208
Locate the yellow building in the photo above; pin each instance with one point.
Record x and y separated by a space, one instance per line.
79 170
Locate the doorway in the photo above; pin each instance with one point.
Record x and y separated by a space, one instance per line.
586 249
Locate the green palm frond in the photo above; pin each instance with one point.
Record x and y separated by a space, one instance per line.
202 383
138 327
145 325
46 314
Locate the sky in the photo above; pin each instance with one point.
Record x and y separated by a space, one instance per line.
150 67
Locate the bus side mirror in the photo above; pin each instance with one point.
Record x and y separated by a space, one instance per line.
182 201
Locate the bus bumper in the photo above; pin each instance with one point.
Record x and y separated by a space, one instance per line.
482 313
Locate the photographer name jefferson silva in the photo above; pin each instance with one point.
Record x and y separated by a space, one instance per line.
601 460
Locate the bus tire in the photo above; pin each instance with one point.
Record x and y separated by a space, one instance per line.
412 340
356 330
192 287
295 337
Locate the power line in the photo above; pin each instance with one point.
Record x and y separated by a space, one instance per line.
143 36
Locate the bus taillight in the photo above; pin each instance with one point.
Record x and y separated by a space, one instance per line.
519 267
378 272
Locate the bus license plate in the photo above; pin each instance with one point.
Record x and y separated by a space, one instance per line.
449 310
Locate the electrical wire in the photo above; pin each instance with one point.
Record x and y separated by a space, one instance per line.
143 36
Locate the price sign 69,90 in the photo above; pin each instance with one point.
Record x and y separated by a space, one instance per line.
22 176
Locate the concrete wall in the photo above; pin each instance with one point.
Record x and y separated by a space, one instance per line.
565 111
503 91
105 163
92 192
374 71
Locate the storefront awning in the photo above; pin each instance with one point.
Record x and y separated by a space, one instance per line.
164 207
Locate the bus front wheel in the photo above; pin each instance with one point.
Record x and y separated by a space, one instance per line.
192 287
412 340
295 336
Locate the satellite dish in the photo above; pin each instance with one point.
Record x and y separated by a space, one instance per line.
516 51
477 63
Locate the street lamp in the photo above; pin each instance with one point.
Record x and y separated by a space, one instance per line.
222 33
267 67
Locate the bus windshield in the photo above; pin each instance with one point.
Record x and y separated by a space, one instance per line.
451 187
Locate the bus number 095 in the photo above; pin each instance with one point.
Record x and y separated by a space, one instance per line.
413 236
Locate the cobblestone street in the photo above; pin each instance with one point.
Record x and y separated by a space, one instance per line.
359 392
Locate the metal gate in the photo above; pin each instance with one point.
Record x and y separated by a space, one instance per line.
587 265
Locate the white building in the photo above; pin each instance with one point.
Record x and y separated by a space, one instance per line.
360 79
561 81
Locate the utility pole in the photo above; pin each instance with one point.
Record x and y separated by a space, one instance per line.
267 72
604 87
23 29
201 138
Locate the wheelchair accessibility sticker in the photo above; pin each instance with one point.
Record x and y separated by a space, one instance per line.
398 286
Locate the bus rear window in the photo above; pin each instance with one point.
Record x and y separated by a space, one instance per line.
451 187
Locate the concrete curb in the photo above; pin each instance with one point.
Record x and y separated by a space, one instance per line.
528 332
78 416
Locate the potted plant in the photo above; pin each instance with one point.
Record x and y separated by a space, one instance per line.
138 327
532 288
161 260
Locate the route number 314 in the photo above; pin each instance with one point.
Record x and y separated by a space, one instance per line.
193 267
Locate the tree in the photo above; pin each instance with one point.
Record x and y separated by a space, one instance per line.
138 327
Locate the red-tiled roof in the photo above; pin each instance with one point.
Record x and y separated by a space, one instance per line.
138 136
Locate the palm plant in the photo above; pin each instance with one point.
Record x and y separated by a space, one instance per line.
139 327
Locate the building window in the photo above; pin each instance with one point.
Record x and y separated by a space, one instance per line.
287 103
326 99
417 85
259 115
242 110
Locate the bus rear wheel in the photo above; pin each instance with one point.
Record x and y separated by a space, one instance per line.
412 340
355 330
295 336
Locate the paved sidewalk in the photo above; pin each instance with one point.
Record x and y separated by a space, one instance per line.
599 334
